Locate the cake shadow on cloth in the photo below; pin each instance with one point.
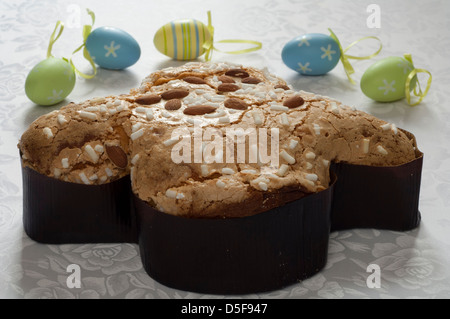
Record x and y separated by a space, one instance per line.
263 252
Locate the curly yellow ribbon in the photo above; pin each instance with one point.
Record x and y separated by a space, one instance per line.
54 37
349 70
209 45
86 31
417 89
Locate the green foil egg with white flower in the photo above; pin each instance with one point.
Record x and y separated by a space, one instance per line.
50 81
385 80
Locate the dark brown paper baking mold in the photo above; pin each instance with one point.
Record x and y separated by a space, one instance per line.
258 253
377 197
58 212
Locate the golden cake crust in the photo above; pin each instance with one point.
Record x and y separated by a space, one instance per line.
90 142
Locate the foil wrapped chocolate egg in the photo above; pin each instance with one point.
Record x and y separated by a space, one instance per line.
50 81
385 80
311 54
182 39
113 48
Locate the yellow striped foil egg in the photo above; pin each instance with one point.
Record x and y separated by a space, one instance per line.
182 39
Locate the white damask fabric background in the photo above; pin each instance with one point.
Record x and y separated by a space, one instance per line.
414 264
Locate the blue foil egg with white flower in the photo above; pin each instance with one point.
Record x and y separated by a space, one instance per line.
311 54
113 48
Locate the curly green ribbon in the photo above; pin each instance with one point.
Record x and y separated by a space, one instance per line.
54 37
86 31
209 45
417 89
349 70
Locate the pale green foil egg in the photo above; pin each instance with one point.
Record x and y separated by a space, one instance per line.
50 81
385 80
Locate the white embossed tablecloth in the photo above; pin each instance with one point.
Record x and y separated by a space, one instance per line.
413 264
